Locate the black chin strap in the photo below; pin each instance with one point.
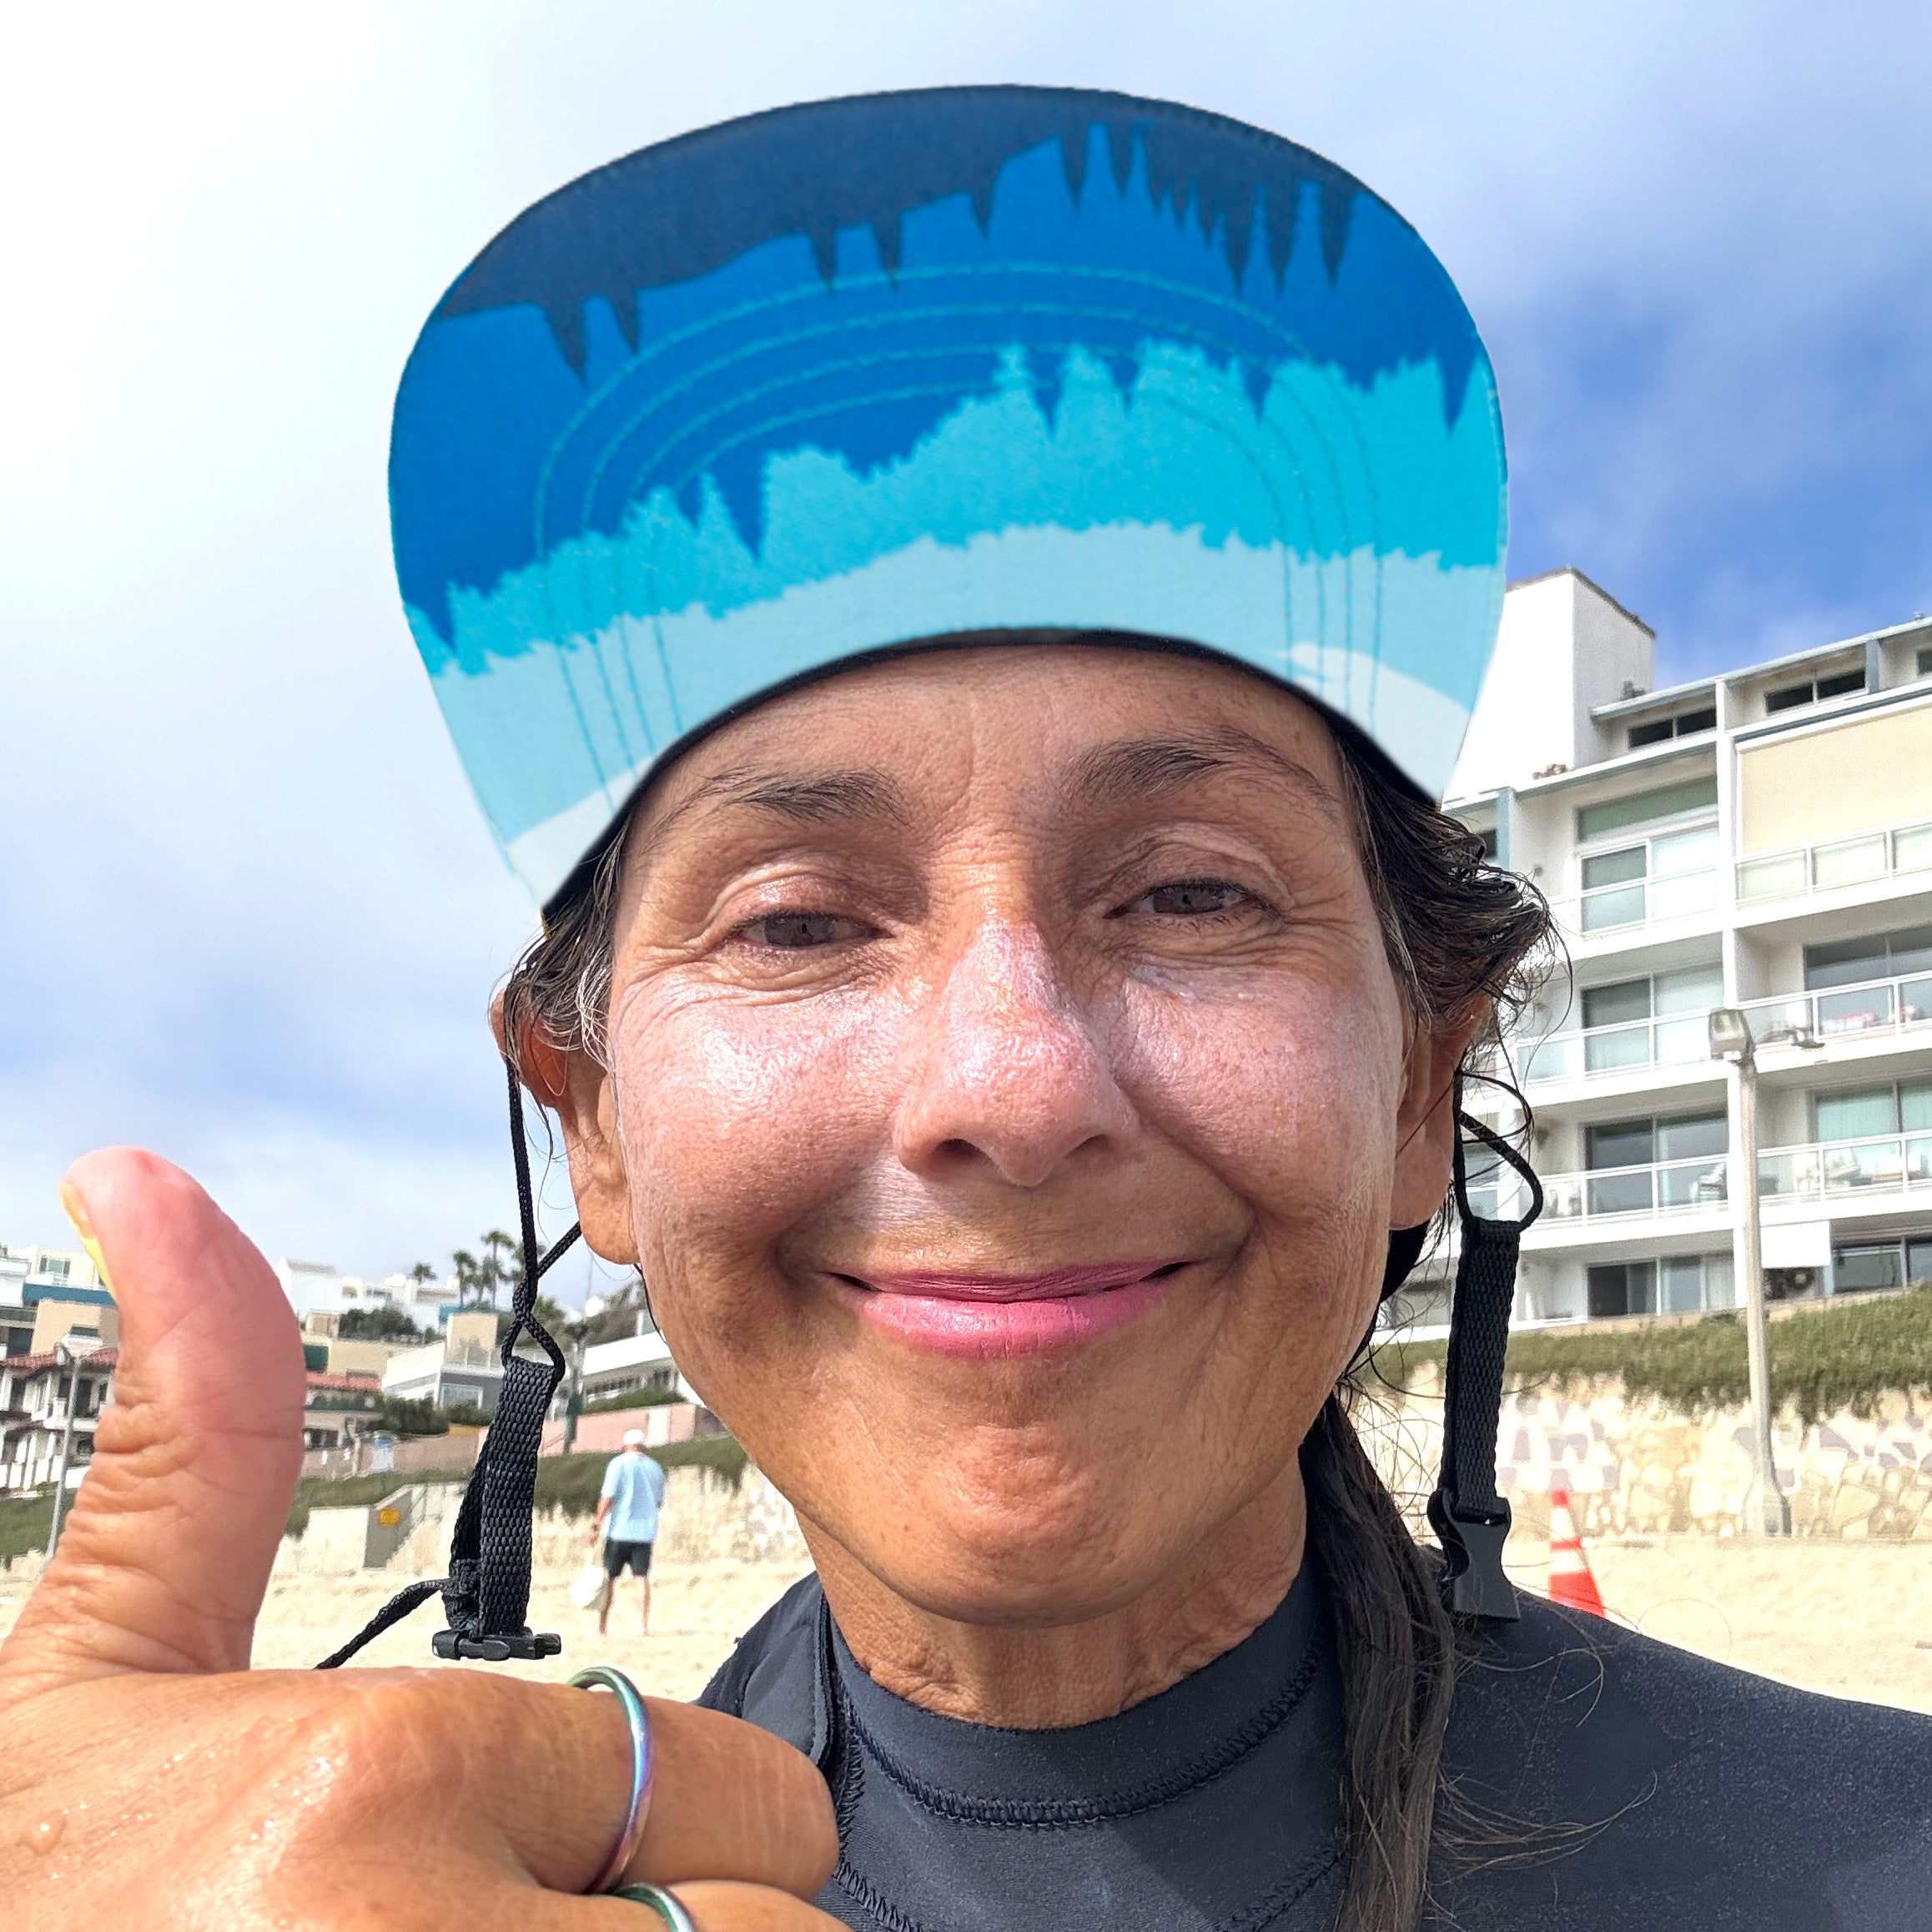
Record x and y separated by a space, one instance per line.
1468 1516
486 1594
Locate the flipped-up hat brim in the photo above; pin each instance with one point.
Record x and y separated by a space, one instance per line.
746 406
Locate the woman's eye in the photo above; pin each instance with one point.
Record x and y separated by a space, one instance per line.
1192 898
795 932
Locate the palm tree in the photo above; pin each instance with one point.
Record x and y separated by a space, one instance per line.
422 1272
501 1262
469 1276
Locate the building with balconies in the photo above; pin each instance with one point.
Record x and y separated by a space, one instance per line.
1761 840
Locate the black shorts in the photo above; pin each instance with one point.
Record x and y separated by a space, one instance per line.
617 1555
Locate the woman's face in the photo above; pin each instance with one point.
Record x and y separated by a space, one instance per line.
1008 1101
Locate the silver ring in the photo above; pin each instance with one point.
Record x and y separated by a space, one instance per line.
643 1768
661 1902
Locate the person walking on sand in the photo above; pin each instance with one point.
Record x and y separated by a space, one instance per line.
632 1494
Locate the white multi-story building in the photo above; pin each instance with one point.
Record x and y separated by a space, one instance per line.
320 1289
1762 840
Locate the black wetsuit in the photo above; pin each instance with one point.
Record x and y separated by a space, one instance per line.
1643 1789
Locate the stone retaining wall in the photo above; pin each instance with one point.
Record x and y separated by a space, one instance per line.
1635 1467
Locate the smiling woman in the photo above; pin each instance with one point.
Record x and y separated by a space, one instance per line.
958 604
1027 1042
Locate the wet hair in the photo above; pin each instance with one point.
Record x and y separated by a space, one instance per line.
1459 934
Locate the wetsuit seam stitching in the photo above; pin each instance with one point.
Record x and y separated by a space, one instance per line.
1283 1897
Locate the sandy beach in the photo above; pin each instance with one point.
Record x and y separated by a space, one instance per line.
1850 1620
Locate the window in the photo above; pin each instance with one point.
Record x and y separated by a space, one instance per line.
1668 877
1621 1288
1489 844
1880 1264
1677 1285
1682 1156
1925 661
1659 730
1837 684
1627 1000
1872 1111
1883 956
53 1268
1658 1018
1595 821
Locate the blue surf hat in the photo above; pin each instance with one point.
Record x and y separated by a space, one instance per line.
840 378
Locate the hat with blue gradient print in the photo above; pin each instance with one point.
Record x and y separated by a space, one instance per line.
835 379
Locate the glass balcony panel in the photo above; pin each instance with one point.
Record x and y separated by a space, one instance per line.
1915 1001
1553 1060
1679 1042
1854 1164
1779 1022
1618 906
1857 1010
1919 1160
1682 897
1789 1174
1612 1047
1912 848
1563 1197
1692 1184
1763 878
1849 860
1628 1193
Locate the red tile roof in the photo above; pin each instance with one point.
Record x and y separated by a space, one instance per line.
358 1384
102 1358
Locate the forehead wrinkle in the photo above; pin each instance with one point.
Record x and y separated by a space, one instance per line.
1137 768
804 798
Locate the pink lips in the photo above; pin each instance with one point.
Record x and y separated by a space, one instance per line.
985 1318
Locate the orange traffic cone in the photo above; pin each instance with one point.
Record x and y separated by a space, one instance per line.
1571 1582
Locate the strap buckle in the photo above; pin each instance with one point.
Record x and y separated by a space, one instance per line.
524 1644
1473 1559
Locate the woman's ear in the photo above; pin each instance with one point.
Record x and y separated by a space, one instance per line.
1425 1121
577 1089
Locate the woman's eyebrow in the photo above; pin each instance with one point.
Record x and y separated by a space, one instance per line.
1135 768
812 798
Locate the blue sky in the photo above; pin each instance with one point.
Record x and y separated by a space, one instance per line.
249 915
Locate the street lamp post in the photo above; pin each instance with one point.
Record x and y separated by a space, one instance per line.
1766 1509
68 1358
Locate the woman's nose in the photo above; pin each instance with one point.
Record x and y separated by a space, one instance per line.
1007 1067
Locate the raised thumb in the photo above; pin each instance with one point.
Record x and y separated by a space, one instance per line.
164 1563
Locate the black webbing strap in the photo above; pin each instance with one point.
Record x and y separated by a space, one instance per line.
1468 1516
486 1594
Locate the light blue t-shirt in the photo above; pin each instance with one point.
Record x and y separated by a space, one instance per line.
635 1486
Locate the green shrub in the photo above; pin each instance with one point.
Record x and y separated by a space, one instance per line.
1822 1360
25 1522
570 1483
633 1399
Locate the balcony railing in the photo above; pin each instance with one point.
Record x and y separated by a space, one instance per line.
1663 1187
1838 862
1828 1170
1676 1039
1875 1166
1636 902
1876 1006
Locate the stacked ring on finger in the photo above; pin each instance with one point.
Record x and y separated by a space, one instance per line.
664 1904
643 1765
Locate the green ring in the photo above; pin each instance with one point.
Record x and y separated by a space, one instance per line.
662 1903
